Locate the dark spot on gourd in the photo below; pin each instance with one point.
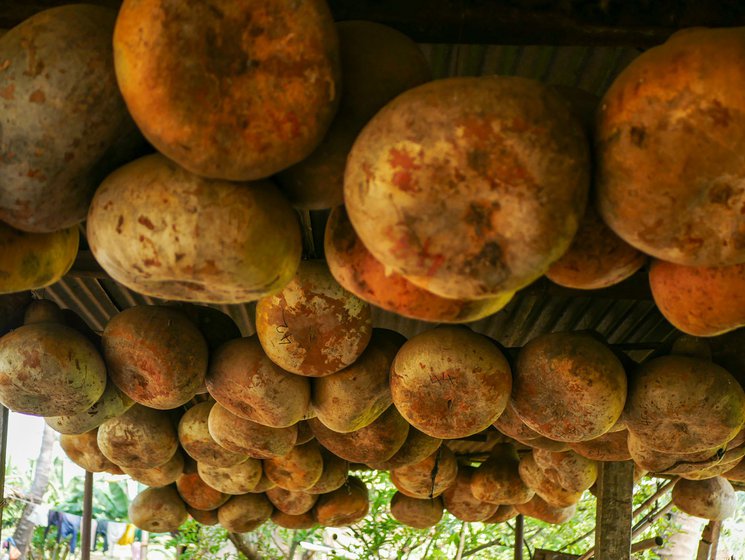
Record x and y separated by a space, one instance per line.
638 135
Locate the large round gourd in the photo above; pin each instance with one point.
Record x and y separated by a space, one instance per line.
30 261
377 63
680 404
699 300
195 438
158 510
670 133
141 438
48 369
65 125
241 514
235 90
156 356
244 380
450 382
110 404
469 187
713 498
157 229
569 387
313 326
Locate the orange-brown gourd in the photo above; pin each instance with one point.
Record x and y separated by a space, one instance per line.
611 446
294 522
241 514
49 369
569 386
377 63
162 475
140 438
109 405
343 507
699 300
195 438
358 271
250 438
83 450
245 381
417 446
497 480
428 478
236 90
713 498
537 508
155 355
313 326
416 513
291 503
158 510
198 494
65 125
460 501
450 382
236 479
670 133
157 229
299 470
354 397
597 257
680 404
376 442
443 180
333 476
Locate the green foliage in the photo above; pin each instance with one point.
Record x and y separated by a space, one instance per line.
110 502
200 541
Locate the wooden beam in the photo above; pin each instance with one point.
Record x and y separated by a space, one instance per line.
85 539
709 537
519 536
505 22
614 510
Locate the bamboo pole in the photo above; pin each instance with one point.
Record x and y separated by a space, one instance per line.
85 539
519 536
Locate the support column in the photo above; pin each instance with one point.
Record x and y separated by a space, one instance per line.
3 448
85 538
519 536
614 510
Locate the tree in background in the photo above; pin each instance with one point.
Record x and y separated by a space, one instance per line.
25 528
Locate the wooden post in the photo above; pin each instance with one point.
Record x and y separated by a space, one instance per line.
145 541
85 539
709 536
3 449
613 525
519 536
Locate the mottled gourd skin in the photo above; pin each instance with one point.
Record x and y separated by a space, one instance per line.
194 436
679 404
111 404
354 397
140 438
537 508
65 125
469 187
30 261
233 90
158 510
241 514
611 446
416 513
358 271
82 449
291 503
377 63
298 470
48 369
343 507
376 442
569 387
713 498
700 300
450 382
162 475
157 229
670 132
597 257
155 355
460 501
198 494
236 479
245 381
428 478
313 326
294 522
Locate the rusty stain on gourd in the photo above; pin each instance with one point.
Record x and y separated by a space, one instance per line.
313 326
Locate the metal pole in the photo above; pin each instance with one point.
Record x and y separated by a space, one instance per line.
85 540
519 536
3 449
